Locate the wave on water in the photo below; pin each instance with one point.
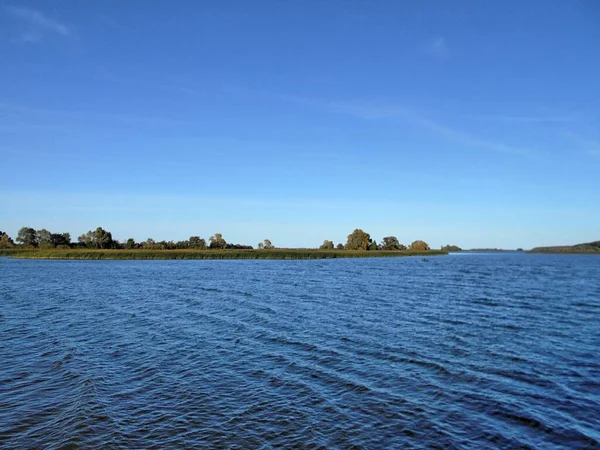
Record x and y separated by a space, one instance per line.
494 351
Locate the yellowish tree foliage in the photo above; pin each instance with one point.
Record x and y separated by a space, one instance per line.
419 246
358 240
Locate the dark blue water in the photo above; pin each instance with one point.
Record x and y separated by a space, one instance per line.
463 351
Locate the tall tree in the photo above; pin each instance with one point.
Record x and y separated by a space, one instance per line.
217 241
102 238
5 240
326 245
43 238
87 239
267 245
28 237
358 240
419 246
150 244
391 243
197 242
62 239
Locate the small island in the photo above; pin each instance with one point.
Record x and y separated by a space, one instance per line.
589 247
99 244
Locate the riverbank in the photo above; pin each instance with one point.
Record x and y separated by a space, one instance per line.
587 248
208 254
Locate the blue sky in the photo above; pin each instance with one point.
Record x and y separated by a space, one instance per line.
470 123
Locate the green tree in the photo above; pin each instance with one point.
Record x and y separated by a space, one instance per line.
150 244
28 237
102 238
43 238
268 245
358 240
197 242
373 246
327 245
451 248
86 240
340 246
60 240
5 240
130 244
419 246
391 243
217 241
261 246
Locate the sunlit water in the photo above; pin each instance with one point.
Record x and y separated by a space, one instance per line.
463 351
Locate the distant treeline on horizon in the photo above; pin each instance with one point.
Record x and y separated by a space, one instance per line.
102 239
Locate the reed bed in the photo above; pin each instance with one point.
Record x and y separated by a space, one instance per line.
208 254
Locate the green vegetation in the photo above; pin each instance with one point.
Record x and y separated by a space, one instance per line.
391 243
5 240
217 241
98 239
419 246
358 240
451 248
327 245
99 244
590 247
205 254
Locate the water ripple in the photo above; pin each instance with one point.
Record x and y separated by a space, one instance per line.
467 351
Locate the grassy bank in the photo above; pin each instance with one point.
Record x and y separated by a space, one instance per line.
587 248
207 254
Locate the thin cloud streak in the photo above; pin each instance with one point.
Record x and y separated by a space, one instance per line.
27 38
23 116
139 203
589 147
156 85
39 22
369 112
526 119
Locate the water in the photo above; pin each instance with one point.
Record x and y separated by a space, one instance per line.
463 351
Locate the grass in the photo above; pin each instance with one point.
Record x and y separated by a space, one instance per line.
589 247
207 254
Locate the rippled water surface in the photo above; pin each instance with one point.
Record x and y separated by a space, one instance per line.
463 351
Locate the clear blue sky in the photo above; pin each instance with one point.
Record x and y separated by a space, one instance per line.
474 123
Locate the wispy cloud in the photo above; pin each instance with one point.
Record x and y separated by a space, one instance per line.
436 46
528 119
163 85
30 117
407 115
588 146
28 37
39 24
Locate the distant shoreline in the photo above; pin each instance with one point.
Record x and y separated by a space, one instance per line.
590 248
109 254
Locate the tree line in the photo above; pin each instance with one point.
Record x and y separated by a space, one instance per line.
102 239
361 240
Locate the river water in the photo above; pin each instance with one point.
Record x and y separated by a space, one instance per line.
461 351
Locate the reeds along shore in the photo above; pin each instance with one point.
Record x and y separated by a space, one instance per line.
208 254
